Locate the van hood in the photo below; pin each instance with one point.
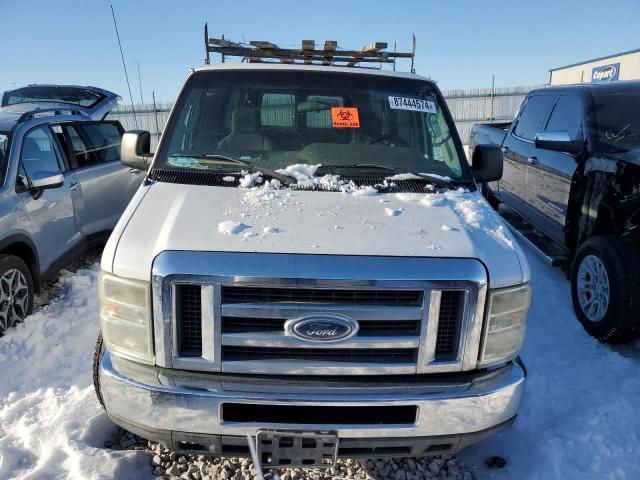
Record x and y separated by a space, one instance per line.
457 224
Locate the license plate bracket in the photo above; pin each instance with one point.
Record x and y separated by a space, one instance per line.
277 449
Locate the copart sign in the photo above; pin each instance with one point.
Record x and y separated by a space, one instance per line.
605 73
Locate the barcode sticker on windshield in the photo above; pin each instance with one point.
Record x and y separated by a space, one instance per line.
415 104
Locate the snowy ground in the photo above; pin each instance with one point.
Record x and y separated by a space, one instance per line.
51 426
580 417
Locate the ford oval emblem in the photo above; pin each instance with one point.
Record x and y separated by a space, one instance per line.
322 327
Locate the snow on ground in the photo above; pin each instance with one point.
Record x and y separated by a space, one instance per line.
580 417
51 425
392 212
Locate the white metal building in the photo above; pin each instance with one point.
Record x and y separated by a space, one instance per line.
620 66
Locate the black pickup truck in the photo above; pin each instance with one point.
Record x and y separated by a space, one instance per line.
572 171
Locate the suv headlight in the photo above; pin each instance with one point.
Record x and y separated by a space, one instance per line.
125 317
506 324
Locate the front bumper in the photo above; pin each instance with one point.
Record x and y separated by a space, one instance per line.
184 410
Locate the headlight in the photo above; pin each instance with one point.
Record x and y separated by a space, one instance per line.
125 317
505 326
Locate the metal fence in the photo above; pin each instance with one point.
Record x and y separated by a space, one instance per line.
147 117
478 105
468 107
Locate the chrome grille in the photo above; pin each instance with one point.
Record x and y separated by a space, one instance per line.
382 355
451 307
391 328
188 319
321 296
247 337
414 315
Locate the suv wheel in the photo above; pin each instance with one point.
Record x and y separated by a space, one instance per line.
605 275
16 291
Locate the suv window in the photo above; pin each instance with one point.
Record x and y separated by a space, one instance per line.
94 143
532 116
567 115
81 153
4 153
40 152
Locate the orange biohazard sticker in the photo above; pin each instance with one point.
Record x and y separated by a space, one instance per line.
345 117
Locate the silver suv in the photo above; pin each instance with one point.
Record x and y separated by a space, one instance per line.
62 186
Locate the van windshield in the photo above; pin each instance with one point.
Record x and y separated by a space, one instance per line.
347 122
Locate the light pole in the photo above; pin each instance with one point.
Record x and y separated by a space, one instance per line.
139 82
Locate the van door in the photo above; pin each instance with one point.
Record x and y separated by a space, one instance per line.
107 186
549 179
517 147
56 232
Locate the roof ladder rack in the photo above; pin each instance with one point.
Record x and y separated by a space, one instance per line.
260 51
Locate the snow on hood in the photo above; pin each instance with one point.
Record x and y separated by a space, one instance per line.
270 219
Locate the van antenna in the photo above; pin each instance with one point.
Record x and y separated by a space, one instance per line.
206 42
395 49
413 52
124 66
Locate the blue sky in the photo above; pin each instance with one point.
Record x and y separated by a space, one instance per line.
460 43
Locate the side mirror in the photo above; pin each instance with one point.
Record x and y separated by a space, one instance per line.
558 141
486 163
135 149
44 180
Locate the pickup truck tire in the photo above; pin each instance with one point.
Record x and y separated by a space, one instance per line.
97 356
605 281
16 291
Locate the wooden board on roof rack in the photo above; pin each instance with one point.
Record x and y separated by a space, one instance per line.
260 51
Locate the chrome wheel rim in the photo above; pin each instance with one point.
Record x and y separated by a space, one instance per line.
593 288
14 298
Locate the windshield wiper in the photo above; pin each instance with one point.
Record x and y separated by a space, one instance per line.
441 182
223 159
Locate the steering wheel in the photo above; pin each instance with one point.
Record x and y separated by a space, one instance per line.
390 141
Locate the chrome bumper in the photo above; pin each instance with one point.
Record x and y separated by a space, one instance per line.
168 405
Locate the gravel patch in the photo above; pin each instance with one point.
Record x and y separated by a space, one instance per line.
167 465
55 287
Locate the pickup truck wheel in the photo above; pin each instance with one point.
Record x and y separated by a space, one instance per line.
16 291
605 276
97 356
